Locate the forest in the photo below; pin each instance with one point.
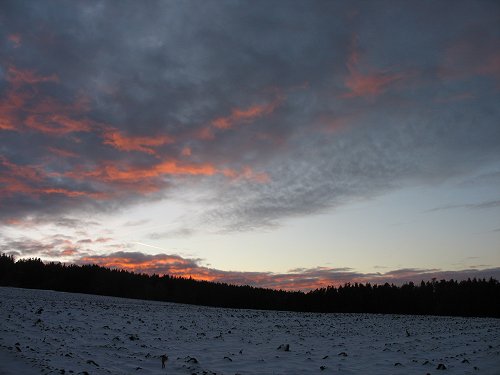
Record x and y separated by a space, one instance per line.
472 297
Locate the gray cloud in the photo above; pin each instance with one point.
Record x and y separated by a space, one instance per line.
24 248
180 232
318 104
52 247
136 223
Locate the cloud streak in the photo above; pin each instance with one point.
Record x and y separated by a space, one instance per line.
468 206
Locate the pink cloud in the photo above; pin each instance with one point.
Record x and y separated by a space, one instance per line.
238 116
146 144
471 55
19 77
15 39
33 181
363 80
298 279
62 153
245 114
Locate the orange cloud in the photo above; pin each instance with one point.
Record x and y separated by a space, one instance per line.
52 117
116 139
6 124
206 133
57 124
31 173
11 186
333 124
369 83
150 179
123 179
471 55
246 173
32 180
10 106
14 222
299 279
238 115
15 39
111 172
142 263
245 115
175 265
23 109
69 252
19 77
222 123
70 193
62 153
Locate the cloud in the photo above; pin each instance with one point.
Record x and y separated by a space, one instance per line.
15 39
468 206
144 144
31 181
98 240
19 77
56 124
177 266
297 279
180 232
143 263
245 114
25 248
8 106
229 110
473 53
111 172
62 153
57 246
370 83
64 222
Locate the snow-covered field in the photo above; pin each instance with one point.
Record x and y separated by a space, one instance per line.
64 333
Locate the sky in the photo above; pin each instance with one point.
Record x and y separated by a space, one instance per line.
283 144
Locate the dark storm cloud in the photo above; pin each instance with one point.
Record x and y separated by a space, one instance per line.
273 109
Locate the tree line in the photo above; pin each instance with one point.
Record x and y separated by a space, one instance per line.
476 297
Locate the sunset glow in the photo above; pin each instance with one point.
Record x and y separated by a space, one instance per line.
290 146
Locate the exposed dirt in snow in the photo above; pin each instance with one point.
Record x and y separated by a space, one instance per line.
63 333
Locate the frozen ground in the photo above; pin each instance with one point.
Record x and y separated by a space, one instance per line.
63 333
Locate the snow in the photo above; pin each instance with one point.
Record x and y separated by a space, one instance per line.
53 332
